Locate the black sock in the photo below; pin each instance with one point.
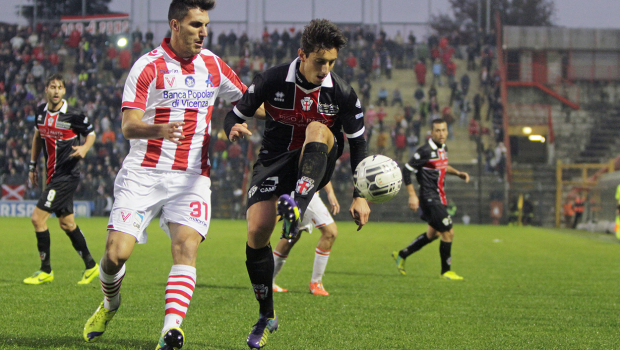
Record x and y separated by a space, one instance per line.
416 245
445 252
260 268
311 170
43 244
79 244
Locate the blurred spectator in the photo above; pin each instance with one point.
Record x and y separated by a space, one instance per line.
396 97
382 97
420 73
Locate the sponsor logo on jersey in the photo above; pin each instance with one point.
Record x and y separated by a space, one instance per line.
190 82
306 103
360 115
169 81
279 97
269 185
168 71
327 108
304 185
251 89
153 53
209 80
63 125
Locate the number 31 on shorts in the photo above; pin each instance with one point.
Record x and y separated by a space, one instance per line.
197 210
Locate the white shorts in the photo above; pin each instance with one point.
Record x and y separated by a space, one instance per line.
316 215
142 194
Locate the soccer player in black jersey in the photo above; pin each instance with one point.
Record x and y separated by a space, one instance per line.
307 109
430 165
57 132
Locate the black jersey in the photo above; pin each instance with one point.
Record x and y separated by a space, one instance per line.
429 164
291 103
60 131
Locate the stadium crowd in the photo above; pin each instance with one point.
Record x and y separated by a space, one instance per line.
94 69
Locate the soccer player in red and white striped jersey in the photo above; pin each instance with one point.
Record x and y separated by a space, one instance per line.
167 109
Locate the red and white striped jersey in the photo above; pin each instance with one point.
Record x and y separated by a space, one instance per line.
169 88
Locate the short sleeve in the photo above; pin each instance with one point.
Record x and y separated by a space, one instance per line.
352 116
253 97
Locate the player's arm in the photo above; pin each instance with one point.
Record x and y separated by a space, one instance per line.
331 197
463 175
134 128
81 150
414 201
37 145
250 104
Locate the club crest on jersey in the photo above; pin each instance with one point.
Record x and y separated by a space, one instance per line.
279 97
169 81
190 82
50 121
209 80
306 103
304 185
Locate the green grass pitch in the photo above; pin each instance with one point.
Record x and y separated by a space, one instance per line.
524 288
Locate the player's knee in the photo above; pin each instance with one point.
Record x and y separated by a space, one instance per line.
317 132
330 233
68 227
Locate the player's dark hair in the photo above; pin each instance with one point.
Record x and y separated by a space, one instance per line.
322 34
179 8
55 76
438 121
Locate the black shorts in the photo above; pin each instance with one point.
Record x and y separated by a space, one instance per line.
436 214
278 175
58 197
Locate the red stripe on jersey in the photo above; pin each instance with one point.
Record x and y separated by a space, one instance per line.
228 72
181 154
142 87
213 69
161 66
204 158
50 147
187 67
153 148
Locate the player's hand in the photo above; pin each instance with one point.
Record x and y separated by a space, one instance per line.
465 176
80 152
239 131
173 132
414 203
33 177
333 201
359 211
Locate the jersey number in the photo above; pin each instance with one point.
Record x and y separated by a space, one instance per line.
197 209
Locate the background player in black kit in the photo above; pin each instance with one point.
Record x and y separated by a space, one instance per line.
307 108
57 132
430 165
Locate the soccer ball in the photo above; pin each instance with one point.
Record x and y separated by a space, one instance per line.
378 178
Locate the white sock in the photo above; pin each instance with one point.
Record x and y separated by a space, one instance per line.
111 287
179 291
320 262
278 262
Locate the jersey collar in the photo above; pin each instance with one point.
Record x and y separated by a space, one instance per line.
165 44
434 145
290 77
62 110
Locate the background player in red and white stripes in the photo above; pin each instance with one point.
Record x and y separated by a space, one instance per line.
317 215
167 107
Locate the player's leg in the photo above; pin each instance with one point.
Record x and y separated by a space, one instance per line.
445 254
39 221
418 243
91 270
261 218
119 246
181 283
321 256
313 163
280 254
